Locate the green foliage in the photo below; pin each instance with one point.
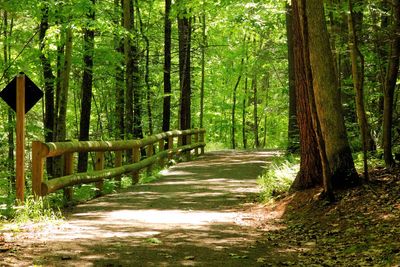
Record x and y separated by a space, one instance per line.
278 176
35 210
375 160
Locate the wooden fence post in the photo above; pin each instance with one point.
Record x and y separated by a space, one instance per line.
68 169
99 166
196 141
37 167
160 149
150 152
170 147
188 142
202 141
118 163
135 159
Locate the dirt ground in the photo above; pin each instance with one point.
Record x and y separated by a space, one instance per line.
199 213
205 213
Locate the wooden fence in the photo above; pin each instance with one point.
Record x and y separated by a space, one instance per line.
40 151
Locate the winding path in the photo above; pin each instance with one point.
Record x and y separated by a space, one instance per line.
197 214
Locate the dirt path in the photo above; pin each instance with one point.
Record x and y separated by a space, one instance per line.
196 214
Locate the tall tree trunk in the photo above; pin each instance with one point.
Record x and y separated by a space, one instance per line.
86 88
327 98
390 84
310 174
203 63
185 32
357 62
255 110
48 86
119 75
234 106
244 106
146 73
129 71
265 113
7 30
62 112
293 130
167 68
62 99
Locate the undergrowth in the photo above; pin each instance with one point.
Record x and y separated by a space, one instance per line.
35 210
278 176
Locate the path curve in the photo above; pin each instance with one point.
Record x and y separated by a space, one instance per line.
196 214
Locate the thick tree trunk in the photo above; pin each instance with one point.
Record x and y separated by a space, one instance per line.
293 130
86 89
167 68
185 31
310 174
390 84
327 98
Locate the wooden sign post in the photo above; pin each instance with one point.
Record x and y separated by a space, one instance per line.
21 94
20 141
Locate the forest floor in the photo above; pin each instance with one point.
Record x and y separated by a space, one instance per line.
205 213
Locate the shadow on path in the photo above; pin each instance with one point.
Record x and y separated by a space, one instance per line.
194 215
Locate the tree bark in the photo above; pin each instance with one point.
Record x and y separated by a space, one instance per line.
146 72
327 98
119 75
129 71
310 174
293 130
185 32
357 62
86 88
167 68
234 106
203 63
255 111
390 85
48 86
7 30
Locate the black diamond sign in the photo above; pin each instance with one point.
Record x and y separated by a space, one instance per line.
32 94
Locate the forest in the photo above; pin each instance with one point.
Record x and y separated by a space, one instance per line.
317 81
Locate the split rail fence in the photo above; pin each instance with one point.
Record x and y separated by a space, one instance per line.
168 143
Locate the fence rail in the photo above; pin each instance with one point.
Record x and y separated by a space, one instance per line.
185 141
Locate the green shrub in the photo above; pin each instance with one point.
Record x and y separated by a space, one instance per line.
278 177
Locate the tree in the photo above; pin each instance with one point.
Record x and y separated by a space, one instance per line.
358 65
185 33
87 84
119 73
327 98
293 131
167 68
310 174
234 103
390 84
48 84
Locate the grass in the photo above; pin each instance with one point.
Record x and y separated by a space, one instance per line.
35 210
279 176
